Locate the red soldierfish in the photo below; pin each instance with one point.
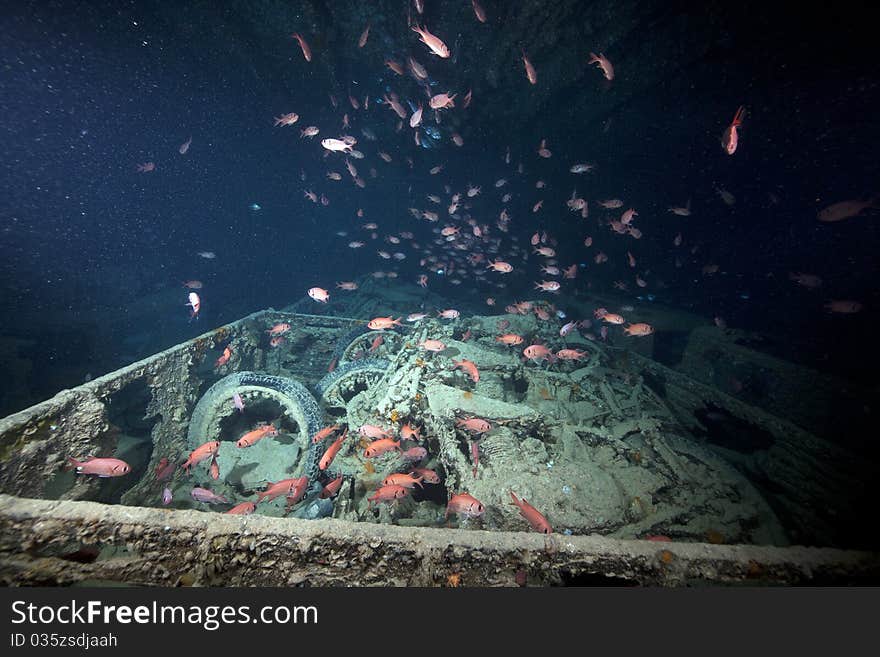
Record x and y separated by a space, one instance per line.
252 437
474 425
332 451
428 476
307 52
464 505
478 10
164 469
388 494
332 488
103 467
297 491
604 64
202 453
469 367
414 454
283 487
372 431
536 520
323 433
435 45
378 323
530 70
243 509
381 446
730 138
402 479
364 36
227 354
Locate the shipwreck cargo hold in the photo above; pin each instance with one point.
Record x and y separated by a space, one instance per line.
615 427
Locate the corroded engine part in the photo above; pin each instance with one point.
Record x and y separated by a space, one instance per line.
51 543
292 396
587 444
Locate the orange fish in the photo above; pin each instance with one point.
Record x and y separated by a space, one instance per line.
243 509
432 345
279 329
307 52
501 266
530 70
474 425
227 353
464 505
388 494
103 467
536 352
331 452
252 437
604 64
571 354
283 487
401 479
323 433
394 66
536 520
332 488
378 323
435 45
364 36
297 491
510 339
319 294
478 10
286 119
442 101
201 453
730 138
639 330
381 446
468 367
427 476
214 469
164 469
372 431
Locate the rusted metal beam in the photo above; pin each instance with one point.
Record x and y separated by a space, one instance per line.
67 542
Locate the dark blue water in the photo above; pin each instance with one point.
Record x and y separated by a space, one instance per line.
93 252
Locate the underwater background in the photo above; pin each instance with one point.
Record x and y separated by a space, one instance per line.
96 246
